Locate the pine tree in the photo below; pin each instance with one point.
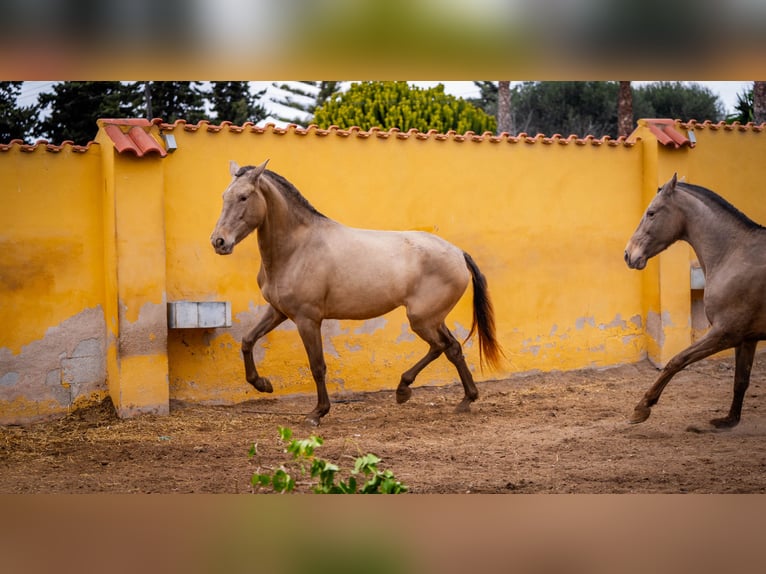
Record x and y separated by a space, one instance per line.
15 122
75 107
487 100
326 90
172 101
234 102
295 101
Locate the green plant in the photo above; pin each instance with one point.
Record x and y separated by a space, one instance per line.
398 105
325 473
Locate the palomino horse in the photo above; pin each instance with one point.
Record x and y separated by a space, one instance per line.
313 268
732 252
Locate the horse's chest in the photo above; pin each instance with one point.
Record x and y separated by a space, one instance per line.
287 292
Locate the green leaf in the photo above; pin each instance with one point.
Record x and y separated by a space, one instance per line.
282 481
367 464
262 480
285 433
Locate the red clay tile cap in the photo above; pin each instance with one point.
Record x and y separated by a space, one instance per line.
667 134
396 133
131 136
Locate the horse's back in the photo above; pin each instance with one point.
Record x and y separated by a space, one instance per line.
370 272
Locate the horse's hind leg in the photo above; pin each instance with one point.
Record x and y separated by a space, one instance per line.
441 341
266 323
745 354
454 352
403 391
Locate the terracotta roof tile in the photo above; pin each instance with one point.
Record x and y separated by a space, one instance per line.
25 147
667 133
707 124
132 136
356 131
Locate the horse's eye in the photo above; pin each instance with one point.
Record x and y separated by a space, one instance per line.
650 214
243 198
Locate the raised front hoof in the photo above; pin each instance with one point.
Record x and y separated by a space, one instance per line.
640 414
262 384
725 423
403 394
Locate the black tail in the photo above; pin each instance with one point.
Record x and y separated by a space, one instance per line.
490 351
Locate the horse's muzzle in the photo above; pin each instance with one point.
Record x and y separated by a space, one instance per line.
634 263
220 245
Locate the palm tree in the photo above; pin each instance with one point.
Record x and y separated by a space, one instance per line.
504 117
625 110
759 102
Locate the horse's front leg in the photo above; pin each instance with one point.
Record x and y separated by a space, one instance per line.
270 319
712 342
311 334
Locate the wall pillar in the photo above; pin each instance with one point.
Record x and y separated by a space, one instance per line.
134 246
666 282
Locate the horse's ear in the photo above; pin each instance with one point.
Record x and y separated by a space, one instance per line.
672 183
233 168
670 186
259 169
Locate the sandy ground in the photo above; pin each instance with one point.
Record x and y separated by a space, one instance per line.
561 432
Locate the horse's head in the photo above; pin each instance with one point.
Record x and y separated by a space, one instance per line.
243 208
661 225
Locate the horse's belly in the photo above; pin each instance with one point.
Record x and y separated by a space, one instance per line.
361 300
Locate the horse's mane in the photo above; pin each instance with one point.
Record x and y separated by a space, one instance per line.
715 200
287 189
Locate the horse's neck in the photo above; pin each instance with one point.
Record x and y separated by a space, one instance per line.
710 230
282 229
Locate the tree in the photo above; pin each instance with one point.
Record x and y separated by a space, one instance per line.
759 102
233 101
397 105
295 101
15 122
624 110
487 99
75 107
326 89
504 117
676 100
584 108
565 108
172 101
743 111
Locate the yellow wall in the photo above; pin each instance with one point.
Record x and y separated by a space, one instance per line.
547 224
95 243
52 336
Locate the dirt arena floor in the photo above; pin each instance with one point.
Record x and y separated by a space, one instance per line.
561 432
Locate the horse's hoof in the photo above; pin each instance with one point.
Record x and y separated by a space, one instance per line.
725 422
640 414
312 419
403 394
464 406
262 384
